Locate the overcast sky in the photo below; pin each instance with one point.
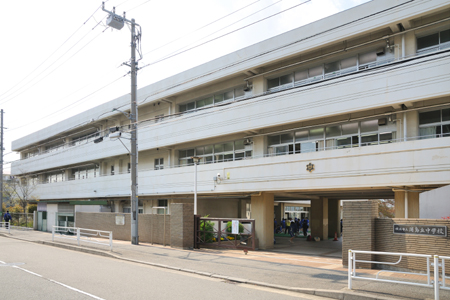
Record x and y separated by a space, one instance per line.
58 57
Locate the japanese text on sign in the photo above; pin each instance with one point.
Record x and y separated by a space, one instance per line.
420 229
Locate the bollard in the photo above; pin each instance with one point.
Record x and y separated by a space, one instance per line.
436 277
349 269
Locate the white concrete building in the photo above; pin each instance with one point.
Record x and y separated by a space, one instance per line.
354 106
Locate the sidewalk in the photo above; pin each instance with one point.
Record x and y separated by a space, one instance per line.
323 276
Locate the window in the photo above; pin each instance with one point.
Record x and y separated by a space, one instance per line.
230 95
436 41
112 170
127 210
162 203
159 118
159 163
435 123
347 135
229 151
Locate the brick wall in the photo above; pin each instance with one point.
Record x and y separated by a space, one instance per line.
182 225
387 241
107 222
359 230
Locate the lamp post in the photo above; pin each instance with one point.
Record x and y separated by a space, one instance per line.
196 160
117 22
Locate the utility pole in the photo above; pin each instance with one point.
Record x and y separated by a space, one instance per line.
117 22
1 164
134 147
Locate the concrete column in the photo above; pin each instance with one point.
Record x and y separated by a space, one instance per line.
412 123
319 218
413 205
262 212
334 221
182 225
259 146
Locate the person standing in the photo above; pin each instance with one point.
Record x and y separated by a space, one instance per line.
293 231
288 226
305 227
7 217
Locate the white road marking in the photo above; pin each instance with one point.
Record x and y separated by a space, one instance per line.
62 284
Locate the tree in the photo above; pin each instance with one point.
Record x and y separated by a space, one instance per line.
386 208
20 191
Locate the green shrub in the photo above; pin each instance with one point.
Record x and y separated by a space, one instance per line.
208 226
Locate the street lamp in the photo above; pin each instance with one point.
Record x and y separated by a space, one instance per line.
196 159
117 22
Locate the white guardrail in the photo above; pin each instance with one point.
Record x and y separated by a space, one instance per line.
83 235
5 226
437 283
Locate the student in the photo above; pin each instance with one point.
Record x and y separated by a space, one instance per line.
288 226
7 217
305 227
293 231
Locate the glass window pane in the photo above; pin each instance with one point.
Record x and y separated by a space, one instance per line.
228 157
274 140
316 71
286 79
387 136
308 147
281 150
209 149
228 146
367 57
368 126
190 106
446 130
332 67
239 92
200 103
446 114
316 133
218 148
333 131
248 154
239 156
182 153
239 145
445 36
271 83
199 151
218 98
369 139
301 135
228 95
208 159
209 101
182 107
349 128
218 158
427 41
429 132
430 117
344 143
190 153
348 62
287 138
301 75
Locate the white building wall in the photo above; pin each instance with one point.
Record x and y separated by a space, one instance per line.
435 204
52 209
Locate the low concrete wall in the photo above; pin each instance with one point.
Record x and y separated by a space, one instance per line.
151 227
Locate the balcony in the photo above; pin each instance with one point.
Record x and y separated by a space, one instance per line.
390 84
418 162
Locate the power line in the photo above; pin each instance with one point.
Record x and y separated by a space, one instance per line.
202 27
233 31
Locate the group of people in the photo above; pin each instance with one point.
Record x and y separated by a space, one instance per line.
7 217
293 227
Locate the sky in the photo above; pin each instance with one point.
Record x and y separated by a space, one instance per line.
59 58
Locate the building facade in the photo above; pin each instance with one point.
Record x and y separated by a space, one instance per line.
353 106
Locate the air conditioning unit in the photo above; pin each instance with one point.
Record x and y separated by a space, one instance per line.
113 129
248 142
380 51
382 122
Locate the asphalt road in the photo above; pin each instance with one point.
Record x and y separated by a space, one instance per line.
34 271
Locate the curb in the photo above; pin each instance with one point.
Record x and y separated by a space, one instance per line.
332 294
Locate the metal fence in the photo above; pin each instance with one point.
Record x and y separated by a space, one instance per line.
92 236
22 220
5 226
437 283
